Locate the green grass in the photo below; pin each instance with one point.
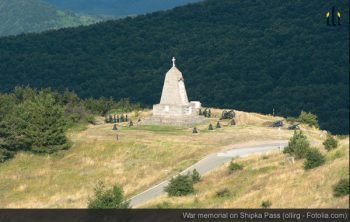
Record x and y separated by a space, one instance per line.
142 157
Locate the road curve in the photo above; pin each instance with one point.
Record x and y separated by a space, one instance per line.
205 165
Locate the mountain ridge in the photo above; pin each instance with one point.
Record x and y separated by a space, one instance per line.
23 16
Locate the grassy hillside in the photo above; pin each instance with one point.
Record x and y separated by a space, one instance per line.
23 16
269 178
250 55
117 7
67 178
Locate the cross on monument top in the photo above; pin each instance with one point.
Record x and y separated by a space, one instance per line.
173 61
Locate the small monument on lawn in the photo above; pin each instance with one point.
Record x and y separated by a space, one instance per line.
174 107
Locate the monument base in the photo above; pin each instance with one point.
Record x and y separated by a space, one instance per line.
188 121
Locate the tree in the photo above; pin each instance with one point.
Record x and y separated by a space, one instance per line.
308 118
180 186
37 125
218 125
330 143
341 188
314 159
108 198
298 145
196 177
210 127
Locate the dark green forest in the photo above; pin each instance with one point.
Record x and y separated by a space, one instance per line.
248 55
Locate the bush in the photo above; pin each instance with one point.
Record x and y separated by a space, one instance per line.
90 118
223 192
308 118
266 204
180 186
314 159
341 188
108 198
330 143
5 154
298 145
195 176
234 167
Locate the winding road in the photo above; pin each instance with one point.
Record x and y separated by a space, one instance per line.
205 165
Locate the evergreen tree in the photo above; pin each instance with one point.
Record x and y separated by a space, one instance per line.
126 118
115 127
218 125
38 125
131 123
209 113
205 113
194 131
298 145
210 127
108 198
122 118
330 143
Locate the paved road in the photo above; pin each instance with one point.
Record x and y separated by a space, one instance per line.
208 163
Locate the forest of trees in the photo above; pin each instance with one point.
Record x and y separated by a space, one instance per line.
36 121
248 55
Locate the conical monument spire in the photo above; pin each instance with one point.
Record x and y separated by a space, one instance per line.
174 91
174 107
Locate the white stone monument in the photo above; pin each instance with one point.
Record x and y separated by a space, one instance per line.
174 107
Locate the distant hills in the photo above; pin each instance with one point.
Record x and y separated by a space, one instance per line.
22 16
242 54
117 7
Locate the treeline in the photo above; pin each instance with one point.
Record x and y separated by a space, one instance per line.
36 120
248 55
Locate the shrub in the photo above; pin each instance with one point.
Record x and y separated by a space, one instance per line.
5 154
223 192
195 176
234 167
180 186
308 118
90 118
341 188
298 145
266 204
108 198
314 159
330 143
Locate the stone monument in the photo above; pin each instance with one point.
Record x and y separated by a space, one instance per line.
174 107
